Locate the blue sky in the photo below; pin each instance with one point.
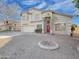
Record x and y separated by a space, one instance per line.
75 20
63 6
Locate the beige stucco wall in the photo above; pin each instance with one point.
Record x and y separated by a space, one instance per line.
29 22
57 18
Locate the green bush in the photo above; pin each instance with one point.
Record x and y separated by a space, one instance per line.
38 30
72 28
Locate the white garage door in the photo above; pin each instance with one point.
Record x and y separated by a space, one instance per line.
28 28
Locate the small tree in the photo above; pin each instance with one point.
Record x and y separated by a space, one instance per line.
72 30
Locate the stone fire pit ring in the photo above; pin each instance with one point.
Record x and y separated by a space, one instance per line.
49 45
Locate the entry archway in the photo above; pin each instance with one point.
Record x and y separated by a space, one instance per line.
47 24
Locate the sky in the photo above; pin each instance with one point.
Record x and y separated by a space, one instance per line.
18 6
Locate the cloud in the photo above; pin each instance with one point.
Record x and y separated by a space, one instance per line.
18 6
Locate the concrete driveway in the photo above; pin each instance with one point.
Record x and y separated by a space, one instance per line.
26 47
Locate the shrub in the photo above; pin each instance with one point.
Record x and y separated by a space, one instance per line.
72 28
38 30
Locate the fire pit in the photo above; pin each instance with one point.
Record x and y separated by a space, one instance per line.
48 45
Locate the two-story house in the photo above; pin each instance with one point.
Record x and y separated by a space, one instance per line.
48 21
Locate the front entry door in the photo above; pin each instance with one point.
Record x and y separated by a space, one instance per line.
47 25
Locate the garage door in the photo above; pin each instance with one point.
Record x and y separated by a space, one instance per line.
28 28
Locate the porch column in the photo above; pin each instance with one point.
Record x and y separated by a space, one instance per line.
51 25
43 25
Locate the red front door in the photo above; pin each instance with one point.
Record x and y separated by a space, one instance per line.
47 25
48 28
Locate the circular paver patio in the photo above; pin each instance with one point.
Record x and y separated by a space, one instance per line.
48 45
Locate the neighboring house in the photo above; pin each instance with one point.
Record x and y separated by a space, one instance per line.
48 21
9 25
76 32
2 26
